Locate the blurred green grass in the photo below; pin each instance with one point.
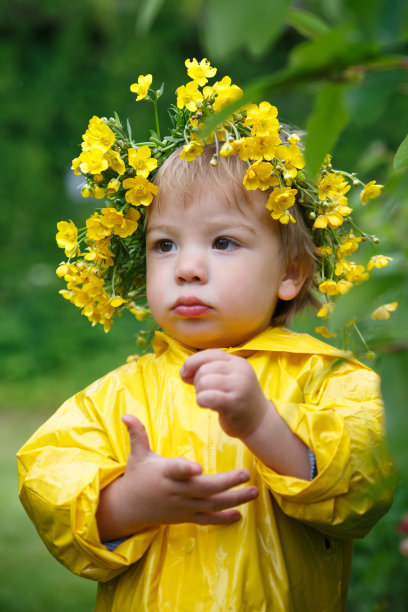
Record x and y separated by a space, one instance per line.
31 580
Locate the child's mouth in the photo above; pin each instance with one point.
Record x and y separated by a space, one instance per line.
190 307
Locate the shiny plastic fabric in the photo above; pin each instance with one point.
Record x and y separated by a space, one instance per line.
292 548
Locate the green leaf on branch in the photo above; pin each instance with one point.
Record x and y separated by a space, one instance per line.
341 46
401 156
324 126
306 23
147 13
230 25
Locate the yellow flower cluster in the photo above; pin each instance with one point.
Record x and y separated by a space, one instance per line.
105 267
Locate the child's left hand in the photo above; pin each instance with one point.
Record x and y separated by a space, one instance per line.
227 384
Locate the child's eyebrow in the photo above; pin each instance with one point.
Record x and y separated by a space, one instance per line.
216 225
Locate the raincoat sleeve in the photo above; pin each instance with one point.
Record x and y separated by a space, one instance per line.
342 422
63 467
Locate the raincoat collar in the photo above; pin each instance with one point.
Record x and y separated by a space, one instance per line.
272 339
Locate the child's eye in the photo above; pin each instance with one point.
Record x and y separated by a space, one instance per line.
164 246
225 244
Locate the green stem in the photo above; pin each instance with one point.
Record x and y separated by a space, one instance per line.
360 335
156 118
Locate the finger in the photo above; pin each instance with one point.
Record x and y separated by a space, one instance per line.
139 442
213 399
194 362
181 469
212 484
227 500
216 518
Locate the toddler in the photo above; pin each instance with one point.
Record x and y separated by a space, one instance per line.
231 468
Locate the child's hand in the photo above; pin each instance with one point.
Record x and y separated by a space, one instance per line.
227 384
156 491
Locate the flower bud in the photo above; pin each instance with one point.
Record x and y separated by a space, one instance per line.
214 160
370 355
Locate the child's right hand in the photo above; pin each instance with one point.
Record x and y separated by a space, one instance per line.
155 491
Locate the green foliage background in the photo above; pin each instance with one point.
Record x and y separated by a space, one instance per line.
335 67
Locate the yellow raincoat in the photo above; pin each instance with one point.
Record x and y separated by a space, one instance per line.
290 551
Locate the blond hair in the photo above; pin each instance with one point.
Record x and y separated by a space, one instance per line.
178 176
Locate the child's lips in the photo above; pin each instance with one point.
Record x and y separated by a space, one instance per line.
190 307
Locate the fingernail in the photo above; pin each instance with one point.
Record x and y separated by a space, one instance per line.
244 477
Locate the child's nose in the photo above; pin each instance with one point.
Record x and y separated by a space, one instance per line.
191 267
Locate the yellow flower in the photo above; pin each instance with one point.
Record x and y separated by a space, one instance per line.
117 301
263 147
259 176
332 186
348 246
343 286
98 227
99 193
140 159
226 150
87 192
75 166
285 218
326 333
142 86
378 261
188 96
293 139
383 312
279 201
355 273
292 158
192 150
98 135
99 254
113 186
111 221
115 162
139 313
262 118
199 72
241 149
371 190
67 237
329 287
140 191
325 310
93 161
225 93
129 223
324 251
333 218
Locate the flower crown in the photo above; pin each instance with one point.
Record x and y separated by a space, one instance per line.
105 269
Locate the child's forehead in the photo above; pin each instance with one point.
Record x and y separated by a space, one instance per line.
223 194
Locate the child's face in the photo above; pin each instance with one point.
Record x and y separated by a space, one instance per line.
213 270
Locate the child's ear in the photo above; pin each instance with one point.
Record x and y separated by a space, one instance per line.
291 283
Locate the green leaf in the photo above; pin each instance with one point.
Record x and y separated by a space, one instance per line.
325 124
230 25
341 45
401 156
147 13
306 23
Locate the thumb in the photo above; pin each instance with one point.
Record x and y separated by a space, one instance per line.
139 442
